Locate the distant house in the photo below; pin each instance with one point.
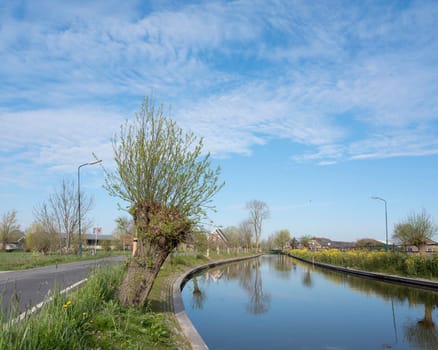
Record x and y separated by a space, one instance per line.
97 242
317 243
430 247
342 245
11 246
218 236
15 245
314 244
286 247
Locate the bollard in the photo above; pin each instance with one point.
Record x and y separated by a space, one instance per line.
134 246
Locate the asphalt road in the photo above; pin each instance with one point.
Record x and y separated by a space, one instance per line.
30 287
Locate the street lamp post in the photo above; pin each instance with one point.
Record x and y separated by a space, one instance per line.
386 218
79 200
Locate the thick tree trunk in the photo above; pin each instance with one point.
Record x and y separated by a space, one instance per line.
161 230
140 277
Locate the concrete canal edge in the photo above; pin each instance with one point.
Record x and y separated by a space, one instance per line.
186 325
412 282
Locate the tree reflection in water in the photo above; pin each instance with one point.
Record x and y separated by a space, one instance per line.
282 265
259 301
307 278
198 297
423 333
250 279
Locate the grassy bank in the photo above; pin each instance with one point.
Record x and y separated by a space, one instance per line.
24 260
92 318
409 265
68 321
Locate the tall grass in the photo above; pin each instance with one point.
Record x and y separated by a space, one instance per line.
92 318
66 322
419 265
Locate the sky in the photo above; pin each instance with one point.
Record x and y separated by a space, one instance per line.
310 106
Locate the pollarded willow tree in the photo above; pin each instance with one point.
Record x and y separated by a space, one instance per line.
415 230
168 184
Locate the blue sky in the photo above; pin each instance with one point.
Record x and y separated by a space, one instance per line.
312 107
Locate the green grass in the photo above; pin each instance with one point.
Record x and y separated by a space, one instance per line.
117 327
67 321
24 260
92 318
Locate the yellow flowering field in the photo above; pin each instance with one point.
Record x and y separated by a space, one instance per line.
413 265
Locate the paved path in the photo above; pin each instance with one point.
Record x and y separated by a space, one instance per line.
30 287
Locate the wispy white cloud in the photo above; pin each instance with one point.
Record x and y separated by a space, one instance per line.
392 143
238 73
99 56
56 140
254 114
395 144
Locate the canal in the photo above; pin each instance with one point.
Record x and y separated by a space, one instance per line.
276 302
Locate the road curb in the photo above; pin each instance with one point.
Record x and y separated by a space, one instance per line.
186 325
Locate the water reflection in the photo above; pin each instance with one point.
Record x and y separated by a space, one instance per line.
307 278
421 333
249 277
259 300
283 266
198 297
295 296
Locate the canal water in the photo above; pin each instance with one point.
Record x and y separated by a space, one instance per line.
276 302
